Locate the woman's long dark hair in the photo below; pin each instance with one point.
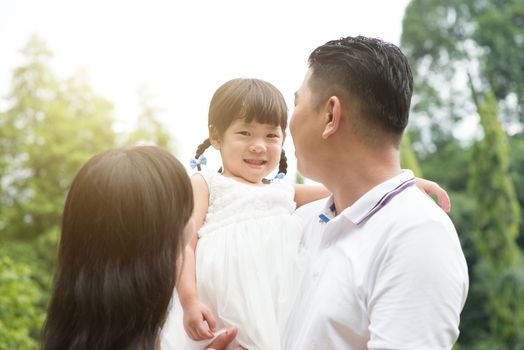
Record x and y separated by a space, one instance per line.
122 232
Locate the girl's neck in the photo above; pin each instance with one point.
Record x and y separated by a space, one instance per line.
244 181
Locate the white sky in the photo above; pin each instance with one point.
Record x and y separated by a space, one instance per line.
184 50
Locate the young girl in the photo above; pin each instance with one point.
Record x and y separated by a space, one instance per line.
242 266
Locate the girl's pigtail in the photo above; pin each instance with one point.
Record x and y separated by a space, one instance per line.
202 147
200 150
282 168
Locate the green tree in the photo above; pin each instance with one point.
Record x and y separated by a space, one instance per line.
408 158
461 49
49 131
448 40
20 321
497 276
498 212
33 83
500 33
39 256
516 147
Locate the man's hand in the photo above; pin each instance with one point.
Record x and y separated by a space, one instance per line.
223 340
199 322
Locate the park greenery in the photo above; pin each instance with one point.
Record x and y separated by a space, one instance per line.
50 127
467 58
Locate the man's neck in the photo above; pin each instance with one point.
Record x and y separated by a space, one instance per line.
356 175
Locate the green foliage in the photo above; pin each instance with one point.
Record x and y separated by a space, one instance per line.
459 50
497 274
516 168
433 37
447 166
50 130
408 159
498 212
500 31
39 254
20 322
453 45
508 323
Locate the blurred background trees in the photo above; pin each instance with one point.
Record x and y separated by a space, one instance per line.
48 130
466 133
467 120
21 318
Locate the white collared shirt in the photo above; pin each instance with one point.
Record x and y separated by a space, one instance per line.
386 273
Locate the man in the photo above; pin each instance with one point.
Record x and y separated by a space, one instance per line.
384 266
384 269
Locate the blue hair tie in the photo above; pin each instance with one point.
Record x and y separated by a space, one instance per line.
195 163
280 176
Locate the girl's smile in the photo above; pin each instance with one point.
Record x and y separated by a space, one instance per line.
255 162
250 151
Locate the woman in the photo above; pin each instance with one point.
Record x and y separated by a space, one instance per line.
122 231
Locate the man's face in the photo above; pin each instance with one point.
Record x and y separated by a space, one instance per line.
306 129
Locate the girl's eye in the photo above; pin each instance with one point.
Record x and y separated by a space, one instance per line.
244 133
272 136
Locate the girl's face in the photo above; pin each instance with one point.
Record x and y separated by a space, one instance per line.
249 151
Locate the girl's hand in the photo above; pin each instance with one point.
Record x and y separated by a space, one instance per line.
199 322
432 188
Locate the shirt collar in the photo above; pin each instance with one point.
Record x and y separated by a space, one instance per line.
371 202
329 211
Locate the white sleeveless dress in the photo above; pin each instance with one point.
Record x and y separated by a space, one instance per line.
247 263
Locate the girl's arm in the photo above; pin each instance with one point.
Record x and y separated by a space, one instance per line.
195 313
305 194
433 189
309 193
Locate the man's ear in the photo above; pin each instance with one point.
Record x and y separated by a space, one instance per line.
214 137
332 115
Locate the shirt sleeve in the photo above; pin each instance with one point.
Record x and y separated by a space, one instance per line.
419 284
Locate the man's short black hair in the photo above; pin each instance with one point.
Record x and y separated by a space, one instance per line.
368 71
